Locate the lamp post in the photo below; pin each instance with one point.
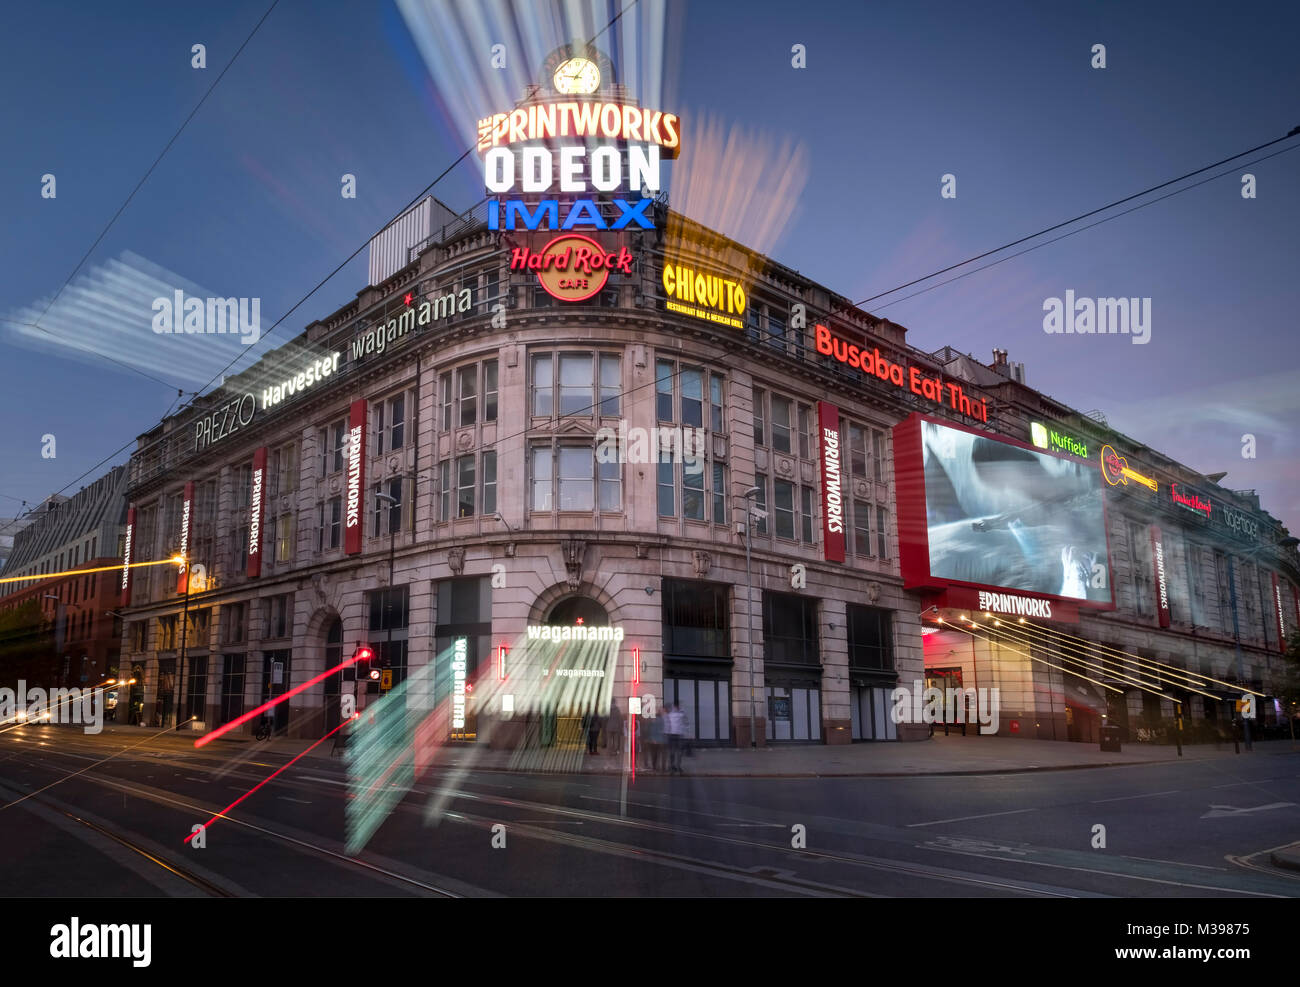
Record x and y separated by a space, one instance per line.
388 594
750 494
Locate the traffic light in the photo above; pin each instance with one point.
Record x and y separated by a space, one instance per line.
361 659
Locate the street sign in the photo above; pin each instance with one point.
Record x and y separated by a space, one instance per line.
386 679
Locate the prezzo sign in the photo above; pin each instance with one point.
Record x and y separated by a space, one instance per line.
126 557
704 296
873 364
354 506
227 419
183 577
1189 499
1162 584
256 500
828 427
572 267
1011 603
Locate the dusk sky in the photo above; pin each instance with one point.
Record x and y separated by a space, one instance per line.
895 95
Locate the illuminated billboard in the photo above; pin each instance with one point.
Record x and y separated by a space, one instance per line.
986 512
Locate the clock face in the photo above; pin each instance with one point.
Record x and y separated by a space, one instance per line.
577 76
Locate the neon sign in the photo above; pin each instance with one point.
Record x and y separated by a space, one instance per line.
255 515
583 211
1050 438
1011 603
458 664
722 300
871 363
604 170
610 121
1115 470
1162 585
1192 501
576 632
126 557
571 267
182 578
356 484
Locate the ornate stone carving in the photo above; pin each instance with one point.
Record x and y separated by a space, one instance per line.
456 559
873 591
784 466
318 584
465 441
574 552
642 550
702 562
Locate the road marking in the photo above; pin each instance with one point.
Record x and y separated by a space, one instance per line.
1180 863
285 798
986 815
1145 795
326 781
1219 811
202 781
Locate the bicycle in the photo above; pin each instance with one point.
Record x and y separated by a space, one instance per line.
263 729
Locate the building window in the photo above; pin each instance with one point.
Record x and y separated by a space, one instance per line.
870 634
389 618
284 470
239 547
760 430
465 486
857 451
783 503
277 616
781 423
878 456
467 395
167 633
331 524
236 620
861 529
489 483
333 443
490 390
491 286
717 421
760 501
775 331
719 493
696 619
232 687
391 424
392 509
806 514
566 477
284 537
790 629
881 532
456 482
584 382
139 630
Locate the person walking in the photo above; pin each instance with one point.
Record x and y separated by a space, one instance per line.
657 741
675 728
593 732
614 729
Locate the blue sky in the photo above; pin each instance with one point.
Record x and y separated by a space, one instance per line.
246 202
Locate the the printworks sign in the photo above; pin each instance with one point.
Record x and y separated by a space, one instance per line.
828 424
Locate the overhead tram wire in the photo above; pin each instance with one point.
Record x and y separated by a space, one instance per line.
138 185
1092 212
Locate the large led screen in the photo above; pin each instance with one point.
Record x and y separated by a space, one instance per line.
1001 514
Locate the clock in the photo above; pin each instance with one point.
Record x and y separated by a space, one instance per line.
576 76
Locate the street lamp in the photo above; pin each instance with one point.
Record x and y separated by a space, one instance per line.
750 494
388 594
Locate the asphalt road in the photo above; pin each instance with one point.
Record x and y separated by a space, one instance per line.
89 827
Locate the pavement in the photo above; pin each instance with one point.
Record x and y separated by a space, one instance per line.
938 755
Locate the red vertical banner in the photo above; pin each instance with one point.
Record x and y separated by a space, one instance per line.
356 498
126 557
828 428
187 513
1281 622
1295 597
255 512
1162 581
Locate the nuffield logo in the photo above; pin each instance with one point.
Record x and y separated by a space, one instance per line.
196 316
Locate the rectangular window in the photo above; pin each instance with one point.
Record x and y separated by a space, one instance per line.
805 430
878 455
611 383
386 507
692 379
575 478
236 615
693 491
870 633
277 616
575 384
719 493
444 387
331 527
760 430
784 505
775 331
543 386
489 483
333 441
857 451
284 538
492 286
611 486
881 532
444 488
861 529
806 514
284 469
753 322
167 633
666 485
543 478
760 501
790 629
232 687
467 388
716 421
465 486
664 390
781 424
392 424
490 391
239 548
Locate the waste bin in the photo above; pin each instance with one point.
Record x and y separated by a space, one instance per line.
1110 738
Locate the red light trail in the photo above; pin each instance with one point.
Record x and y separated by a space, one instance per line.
272 775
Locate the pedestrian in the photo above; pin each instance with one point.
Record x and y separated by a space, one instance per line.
675 728
593 732
657 741
614 729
